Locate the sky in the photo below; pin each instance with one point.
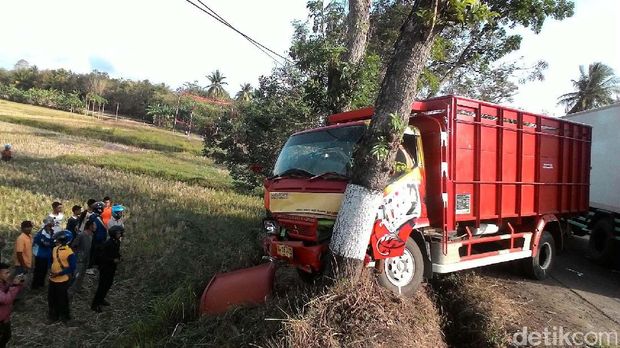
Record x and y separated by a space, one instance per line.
171 41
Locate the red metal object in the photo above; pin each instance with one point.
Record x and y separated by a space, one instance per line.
248 286
305 257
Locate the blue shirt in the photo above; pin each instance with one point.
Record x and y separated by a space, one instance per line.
101 233
42 244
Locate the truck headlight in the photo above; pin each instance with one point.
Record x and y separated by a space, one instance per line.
271 227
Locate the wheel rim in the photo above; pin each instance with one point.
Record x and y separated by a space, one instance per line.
400 269
544 258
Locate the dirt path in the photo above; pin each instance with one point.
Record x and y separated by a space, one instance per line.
580 296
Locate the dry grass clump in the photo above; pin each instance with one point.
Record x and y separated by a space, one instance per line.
364 315
477 313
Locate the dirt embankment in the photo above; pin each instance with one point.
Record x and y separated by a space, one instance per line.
364 315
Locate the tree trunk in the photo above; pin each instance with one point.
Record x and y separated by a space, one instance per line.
339 87
358 24
370 172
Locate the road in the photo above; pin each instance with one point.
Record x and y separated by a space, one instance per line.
580 296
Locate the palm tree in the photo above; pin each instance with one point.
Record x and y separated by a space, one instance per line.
245 93
594 89
216 88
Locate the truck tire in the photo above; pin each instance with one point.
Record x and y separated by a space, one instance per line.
403 274
601 244
538 267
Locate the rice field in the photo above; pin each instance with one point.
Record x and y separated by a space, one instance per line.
184 222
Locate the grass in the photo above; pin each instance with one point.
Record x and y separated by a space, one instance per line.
122 132
184 225
171 166
478 314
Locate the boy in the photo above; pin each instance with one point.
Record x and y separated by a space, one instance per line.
81 247
63 265
72 223
42 249
7 154
108 259
8 291
57 215
22 258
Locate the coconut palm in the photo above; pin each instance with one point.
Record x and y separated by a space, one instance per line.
594 89
216 88
245 93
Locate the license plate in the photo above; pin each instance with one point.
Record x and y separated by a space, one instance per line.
285 250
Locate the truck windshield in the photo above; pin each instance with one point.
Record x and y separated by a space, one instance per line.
319 152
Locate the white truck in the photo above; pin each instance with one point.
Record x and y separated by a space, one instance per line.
603 219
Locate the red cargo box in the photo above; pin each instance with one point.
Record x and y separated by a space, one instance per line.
490 162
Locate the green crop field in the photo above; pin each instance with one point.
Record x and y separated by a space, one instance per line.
185 222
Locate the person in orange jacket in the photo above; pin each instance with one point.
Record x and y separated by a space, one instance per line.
107 210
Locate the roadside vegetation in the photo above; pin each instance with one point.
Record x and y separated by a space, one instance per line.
180 230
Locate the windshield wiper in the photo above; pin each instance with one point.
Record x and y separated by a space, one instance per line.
330 175
292 172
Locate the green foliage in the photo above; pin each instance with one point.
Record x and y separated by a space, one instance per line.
595 88
254 134
42 97
380 149
245 94
464 58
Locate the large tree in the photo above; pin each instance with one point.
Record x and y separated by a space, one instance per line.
374 158
595 88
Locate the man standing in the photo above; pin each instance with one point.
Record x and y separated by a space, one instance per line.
106 215
8 291
72 223
101 232
63 265
22 258
108 259
81 247
42 249
85 216
57 215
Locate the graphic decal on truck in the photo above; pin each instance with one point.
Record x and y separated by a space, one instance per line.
401 201
463 203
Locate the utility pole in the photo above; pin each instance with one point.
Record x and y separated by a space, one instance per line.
191 118
176 114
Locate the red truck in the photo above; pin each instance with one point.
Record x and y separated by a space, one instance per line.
476 184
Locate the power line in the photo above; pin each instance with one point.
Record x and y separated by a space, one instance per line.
220 19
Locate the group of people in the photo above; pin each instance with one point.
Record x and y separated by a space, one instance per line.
64 255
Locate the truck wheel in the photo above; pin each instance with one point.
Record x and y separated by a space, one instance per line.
601 244
538 267
403 274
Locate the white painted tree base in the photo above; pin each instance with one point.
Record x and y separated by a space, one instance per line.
355 222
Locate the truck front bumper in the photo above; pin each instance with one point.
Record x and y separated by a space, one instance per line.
307 258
